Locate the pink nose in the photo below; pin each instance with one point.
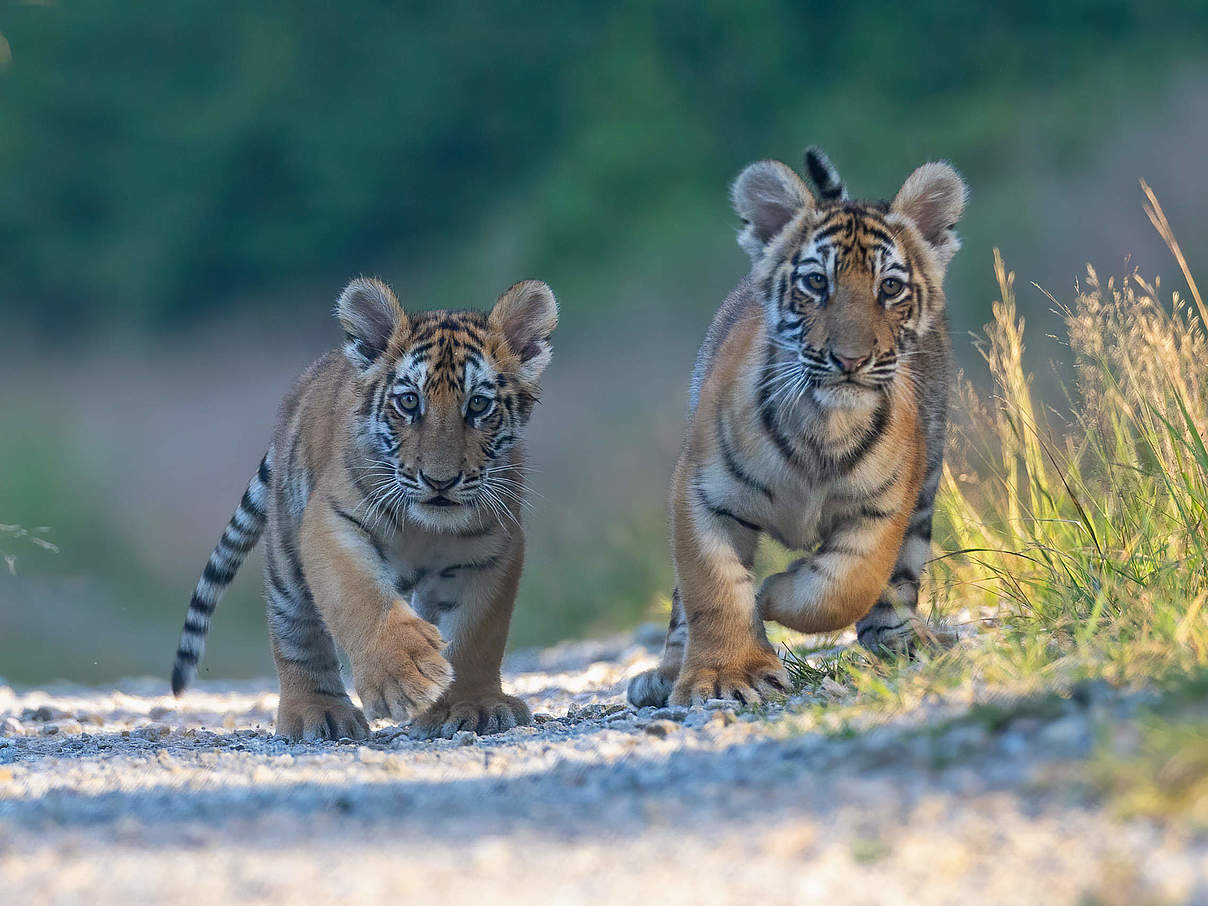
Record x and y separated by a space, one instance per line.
848 363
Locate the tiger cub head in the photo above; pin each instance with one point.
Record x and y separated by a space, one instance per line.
443 398
848 287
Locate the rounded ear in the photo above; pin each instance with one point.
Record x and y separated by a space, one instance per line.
933 196
767 195
526 315
369 313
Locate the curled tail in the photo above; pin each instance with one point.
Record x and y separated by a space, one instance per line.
240 536
825 176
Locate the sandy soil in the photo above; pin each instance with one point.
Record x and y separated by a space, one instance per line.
126 795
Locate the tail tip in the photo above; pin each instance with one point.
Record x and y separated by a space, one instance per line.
181 675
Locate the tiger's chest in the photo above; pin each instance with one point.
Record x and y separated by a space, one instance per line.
790 493
439 573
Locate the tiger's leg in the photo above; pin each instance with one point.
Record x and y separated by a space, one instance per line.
397 666
475 618
839 583
728 654
313 704
893 623
653 687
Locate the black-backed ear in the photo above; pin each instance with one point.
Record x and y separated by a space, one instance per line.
933 196
526 315
369 313
767 195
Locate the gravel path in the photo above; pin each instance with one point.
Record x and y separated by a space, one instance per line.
126 795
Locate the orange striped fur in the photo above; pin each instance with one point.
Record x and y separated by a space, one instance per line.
392 495
818 415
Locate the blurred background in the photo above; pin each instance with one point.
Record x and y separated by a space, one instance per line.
185 187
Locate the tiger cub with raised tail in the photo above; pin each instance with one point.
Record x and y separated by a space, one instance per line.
818 413
392 493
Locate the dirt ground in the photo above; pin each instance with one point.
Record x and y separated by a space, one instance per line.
122 795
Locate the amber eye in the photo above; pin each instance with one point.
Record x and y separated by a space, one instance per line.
890 287
478 404
407 403
815 281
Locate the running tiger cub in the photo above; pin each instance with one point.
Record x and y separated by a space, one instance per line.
818 414
391 493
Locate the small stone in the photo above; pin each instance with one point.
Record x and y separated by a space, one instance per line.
715 703
5 742
661 729
12 727
832 688
152 731
159 712
723 716
465 738
49 712
677 714
68 727
541 717
88 717
615 708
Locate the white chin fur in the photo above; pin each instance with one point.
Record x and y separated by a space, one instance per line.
442 518
846 396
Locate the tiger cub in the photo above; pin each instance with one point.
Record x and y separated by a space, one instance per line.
391 493
817 416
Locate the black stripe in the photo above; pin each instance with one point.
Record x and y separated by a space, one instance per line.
185 657
370 537
449 571
220 576
845 462
722 511
903 575
262 473
734 467
249 506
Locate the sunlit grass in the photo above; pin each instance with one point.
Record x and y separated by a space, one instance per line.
1069 538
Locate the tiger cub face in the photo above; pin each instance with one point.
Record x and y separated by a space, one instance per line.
444 397
848 287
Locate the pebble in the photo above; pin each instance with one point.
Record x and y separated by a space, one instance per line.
62 728
540 717
715 703
152 731
48 712
670 714
465 738
660 729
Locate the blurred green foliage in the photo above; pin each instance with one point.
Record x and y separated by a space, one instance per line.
161 160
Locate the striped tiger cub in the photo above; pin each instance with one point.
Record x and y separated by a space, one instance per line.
817 416
391 493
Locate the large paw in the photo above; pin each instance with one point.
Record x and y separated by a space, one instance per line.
484 714
905 637
651 687
310 717
748 678
402 671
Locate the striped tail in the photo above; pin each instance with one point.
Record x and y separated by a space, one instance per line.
240 536
824 175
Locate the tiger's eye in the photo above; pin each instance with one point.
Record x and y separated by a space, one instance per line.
891 286
816 281
478 404
407 403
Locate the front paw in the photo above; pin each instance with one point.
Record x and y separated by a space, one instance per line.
402 672
748 678
484 714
